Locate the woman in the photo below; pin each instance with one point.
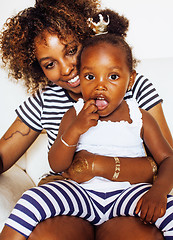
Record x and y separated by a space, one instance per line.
23 47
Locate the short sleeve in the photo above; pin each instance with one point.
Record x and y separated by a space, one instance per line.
30 112
144 92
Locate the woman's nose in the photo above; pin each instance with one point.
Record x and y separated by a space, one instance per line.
66 67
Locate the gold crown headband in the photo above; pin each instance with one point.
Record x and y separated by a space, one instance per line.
100 27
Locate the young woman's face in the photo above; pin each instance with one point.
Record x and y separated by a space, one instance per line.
105 76
58 60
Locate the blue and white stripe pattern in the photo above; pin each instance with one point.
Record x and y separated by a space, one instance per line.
144 92
45 109
70 198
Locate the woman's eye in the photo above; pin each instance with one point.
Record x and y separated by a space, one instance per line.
113 77
72 51
50 65
89 77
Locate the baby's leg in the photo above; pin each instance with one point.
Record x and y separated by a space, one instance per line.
49 200
126 203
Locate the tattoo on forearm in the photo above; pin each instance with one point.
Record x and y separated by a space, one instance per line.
28 130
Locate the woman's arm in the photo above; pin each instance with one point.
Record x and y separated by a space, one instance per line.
15 142
157 113
147 97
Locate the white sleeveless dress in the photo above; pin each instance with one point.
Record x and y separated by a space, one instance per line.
114 139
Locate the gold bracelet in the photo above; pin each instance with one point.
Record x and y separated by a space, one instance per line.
154 168
66 144
153 165
117 168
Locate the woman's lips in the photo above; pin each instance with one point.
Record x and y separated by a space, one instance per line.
74 82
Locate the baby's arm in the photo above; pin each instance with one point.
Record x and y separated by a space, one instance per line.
153 204
62 151
87 165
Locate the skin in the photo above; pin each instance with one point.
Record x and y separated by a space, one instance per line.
105 77
19 136
58 60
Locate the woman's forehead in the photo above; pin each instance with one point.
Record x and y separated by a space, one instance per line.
52 39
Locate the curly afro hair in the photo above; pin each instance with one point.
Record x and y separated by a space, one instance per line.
61 17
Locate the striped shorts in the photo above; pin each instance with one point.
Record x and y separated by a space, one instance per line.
69 198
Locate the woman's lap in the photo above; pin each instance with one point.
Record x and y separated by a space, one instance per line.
78 203
68 227
127 228
63 228
72 228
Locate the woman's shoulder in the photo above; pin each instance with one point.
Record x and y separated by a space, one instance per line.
52 89
145 92
55 95
140 79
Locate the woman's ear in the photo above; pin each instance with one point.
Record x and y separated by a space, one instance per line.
132 79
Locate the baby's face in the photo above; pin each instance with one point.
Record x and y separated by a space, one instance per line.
104 76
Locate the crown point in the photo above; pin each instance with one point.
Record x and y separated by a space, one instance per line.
101 26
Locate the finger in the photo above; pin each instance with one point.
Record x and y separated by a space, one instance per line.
88 103
138 206
162 211
93 122
143 213
149 215
92 108
156 215
94 116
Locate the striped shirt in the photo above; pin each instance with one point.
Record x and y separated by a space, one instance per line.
45 109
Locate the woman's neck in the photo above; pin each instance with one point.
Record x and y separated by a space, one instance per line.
75 96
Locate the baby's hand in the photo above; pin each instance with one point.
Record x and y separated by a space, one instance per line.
87 117
151 206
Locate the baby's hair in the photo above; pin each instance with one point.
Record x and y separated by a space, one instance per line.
118 24
19 32
116 33
114 40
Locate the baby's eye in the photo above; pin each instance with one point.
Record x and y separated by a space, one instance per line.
89 77
113 77
50 65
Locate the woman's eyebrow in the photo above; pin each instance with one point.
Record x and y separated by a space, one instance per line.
69 43
43 59
65 47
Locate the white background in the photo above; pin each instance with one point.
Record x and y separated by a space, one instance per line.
151 23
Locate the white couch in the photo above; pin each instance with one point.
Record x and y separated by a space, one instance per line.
27 171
